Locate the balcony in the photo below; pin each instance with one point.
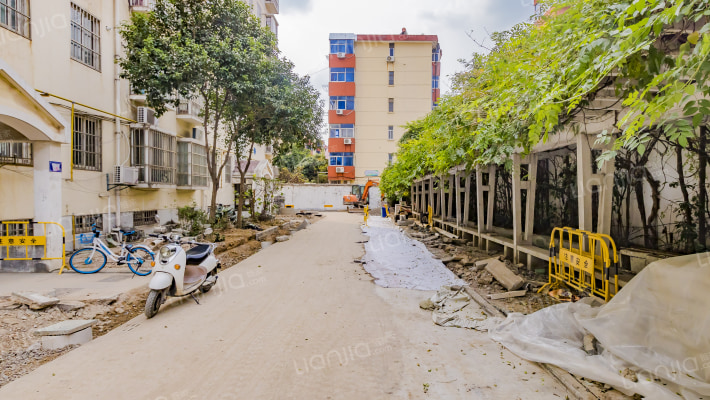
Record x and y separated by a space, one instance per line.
190 111
272 6
136 95
142 6
272 24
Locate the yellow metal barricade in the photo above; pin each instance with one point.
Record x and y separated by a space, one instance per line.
585 261
366 210
430 216
28 241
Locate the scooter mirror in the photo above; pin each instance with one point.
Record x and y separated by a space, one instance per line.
208 231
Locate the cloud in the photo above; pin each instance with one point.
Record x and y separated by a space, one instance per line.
295 6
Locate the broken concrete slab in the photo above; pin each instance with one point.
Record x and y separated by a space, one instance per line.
405 222
7 305
588 341
35 300
104 300
283 238
70 305
507 295
502 274
66 327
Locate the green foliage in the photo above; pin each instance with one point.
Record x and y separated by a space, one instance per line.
192 219
539 75
312 165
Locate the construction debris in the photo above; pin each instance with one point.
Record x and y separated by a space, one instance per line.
507 295
502 274
35 301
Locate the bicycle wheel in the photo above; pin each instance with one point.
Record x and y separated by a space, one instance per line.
139 260
87 261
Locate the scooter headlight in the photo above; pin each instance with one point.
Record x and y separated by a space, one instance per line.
165 253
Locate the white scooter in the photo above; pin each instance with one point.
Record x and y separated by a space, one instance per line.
179 273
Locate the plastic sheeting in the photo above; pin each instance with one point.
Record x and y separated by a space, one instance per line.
657 326
396 261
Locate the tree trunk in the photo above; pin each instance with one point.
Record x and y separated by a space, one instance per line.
702 190
638 189
240 206
213 201
652 233
687 210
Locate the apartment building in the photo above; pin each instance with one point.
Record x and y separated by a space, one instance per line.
72 135
378 83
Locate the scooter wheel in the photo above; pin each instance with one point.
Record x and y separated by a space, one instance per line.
152 305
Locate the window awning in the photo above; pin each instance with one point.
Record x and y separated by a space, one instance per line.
24 114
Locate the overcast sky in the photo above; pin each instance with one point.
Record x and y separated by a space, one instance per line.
304 26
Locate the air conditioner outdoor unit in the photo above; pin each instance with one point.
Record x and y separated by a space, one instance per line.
123 175
341 55
339 170
348 141
198 133
146 115
339 112
390 58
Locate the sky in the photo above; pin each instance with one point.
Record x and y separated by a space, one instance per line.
304 26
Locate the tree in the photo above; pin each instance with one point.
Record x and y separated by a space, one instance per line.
312 165
189 48
291 159
286 113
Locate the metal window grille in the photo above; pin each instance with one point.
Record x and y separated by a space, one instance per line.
156 153
146 217
183 165
390 132
16 153
9 228
82 223
87 143
15 16
391 105
85 38
199 166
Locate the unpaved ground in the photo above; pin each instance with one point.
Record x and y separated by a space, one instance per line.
20 350
299 320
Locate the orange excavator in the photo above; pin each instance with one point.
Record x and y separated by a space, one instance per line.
359 196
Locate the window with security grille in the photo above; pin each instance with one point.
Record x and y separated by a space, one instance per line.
87 143
85 38
15 228
155 153
199 166
390 132
82 223
146 217
15 16
16 153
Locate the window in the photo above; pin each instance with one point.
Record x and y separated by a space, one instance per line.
434 82
342 131
142 218
16 228
342 74
342 46
15 16
391 78
87 143
341 159
390 158
85 38
390 132
435 55
82 223
342 102
391 49
16 153
391 105
155 153
192 164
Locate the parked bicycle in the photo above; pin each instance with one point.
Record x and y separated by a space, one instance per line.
92 259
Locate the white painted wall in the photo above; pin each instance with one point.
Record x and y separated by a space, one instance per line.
316 197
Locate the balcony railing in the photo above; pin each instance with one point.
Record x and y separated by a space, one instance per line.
141 5
190 108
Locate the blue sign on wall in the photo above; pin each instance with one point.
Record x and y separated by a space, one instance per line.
55 166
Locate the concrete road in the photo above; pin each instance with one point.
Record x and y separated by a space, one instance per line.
298 320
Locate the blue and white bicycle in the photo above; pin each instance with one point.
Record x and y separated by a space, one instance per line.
89 260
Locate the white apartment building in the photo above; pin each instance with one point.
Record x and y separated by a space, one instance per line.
57 60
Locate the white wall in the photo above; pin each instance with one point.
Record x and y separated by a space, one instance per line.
316 197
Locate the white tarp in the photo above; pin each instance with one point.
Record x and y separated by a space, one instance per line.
657 326
396 261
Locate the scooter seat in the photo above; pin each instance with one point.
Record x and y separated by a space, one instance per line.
197 254
194 274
